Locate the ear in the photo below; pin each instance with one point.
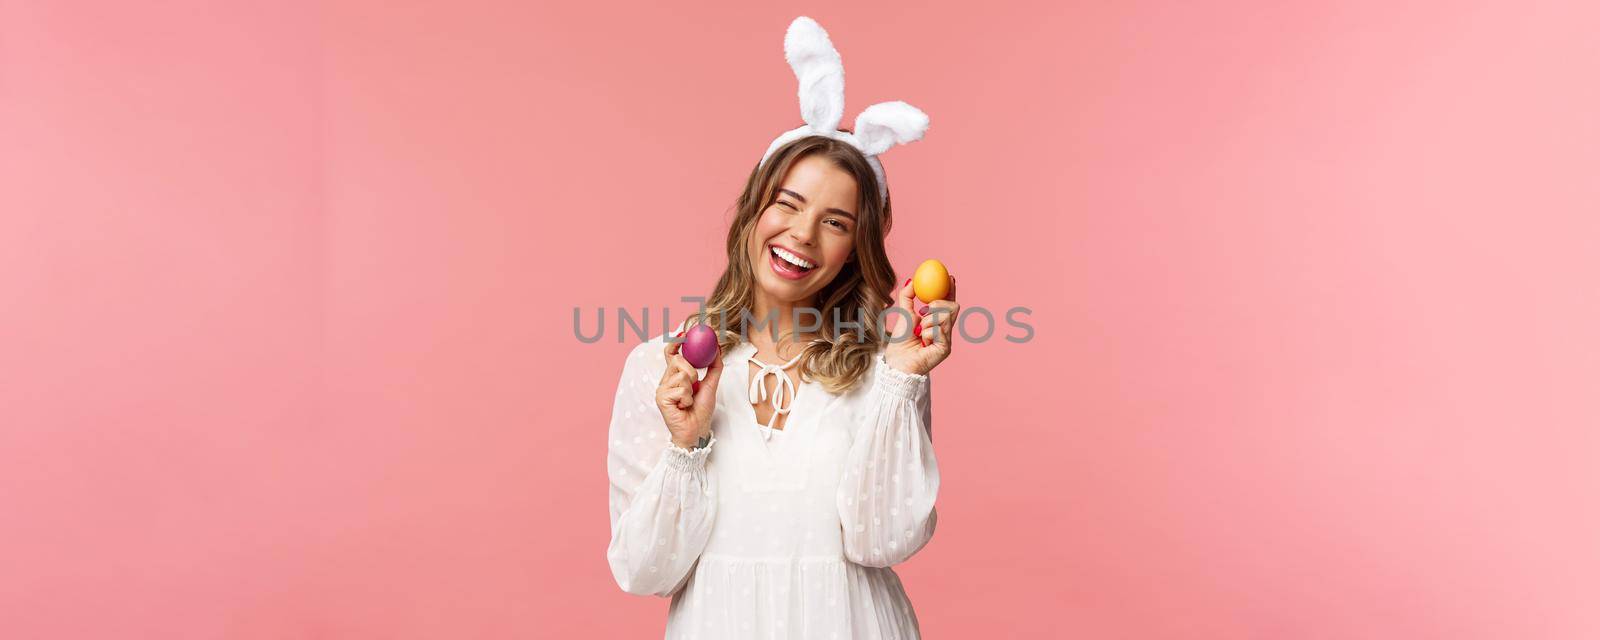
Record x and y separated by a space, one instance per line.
817 66
887 124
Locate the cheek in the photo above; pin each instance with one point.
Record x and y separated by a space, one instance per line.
759 235
835 253
767 225
770 222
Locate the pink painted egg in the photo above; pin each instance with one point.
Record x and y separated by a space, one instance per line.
700 346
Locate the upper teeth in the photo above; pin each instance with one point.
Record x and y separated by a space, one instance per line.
792 258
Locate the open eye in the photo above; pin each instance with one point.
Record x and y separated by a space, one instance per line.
837 224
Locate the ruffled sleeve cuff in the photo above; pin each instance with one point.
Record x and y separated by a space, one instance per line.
685 460
910 386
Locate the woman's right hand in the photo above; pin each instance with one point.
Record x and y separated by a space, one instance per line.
686 404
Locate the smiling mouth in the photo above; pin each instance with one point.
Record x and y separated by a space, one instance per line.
787 264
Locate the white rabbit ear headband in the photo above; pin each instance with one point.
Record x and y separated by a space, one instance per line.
817 66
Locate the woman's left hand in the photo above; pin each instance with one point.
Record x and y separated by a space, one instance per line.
920 354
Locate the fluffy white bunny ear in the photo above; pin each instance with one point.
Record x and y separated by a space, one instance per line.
817 66
887 124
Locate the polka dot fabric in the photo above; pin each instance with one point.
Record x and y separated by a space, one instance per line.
791 537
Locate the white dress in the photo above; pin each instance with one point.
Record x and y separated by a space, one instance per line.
787 537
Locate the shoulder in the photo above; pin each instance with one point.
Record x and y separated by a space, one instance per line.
652 350
649 352
656 344
868 380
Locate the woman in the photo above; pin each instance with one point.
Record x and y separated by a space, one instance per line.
771 499
817 470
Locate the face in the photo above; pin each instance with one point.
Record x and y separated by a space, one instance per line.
812 221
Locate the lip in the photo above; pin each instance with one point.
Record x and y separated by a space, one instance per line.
772 263
802 254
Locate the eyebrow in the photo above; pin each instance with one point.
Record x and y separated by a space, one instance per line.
837 210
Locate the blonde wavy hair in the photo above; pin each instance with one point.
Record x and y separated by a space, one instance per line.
859 292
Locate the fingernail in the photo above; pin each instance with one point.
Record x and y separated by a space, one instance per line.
695 386
908 281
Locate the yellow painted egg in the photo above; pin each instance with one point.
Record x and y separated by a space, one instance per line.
931 281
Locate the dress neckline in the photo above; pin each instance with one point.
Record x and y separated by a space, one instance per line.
785 390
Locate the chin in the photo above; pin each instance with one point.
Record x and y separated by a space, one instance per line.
782 291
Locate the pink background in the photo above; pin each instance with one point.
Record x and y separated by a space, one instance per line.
287 350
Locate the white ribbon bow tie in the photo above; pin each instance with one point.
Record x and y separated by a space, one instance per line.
785 389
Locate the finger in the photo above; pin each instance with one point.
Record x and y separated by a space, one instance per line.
938 312
708 390
682 365
689 372
671 350
670 397
927 327
921 318
683 395
902 328
667 371
906 298
947 328
944 309
954 312
936 326
678 379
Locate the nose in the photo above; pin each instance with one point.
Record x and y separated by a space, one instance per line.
802 232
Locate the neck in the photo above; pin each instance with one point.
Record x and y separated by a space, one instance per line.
782 315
